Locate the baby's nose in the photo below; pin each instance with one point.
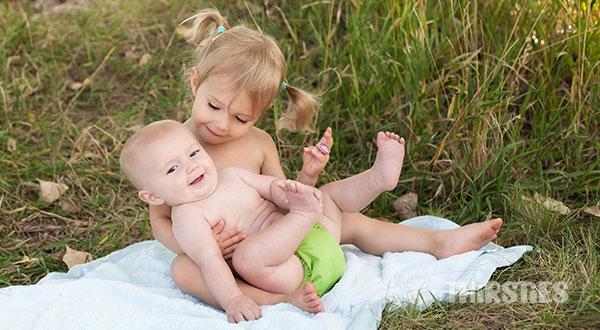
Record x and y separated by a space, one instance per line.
192 167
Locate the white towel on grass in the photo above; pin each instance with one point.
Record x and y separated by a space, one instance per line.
132 289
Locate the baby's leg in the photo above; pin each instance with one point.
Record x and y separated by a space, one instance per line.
188 278
357 192
266 259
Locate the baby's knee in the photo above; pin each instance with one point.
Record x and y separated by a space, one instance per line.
242 262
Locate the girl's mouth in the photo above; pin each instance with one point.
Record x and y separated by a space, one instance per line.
197 180
213 132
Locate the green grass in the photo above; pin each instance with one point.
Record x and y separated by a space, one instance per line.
489 114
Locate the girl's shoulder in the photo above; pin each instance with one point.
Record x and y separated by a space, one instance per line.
261 138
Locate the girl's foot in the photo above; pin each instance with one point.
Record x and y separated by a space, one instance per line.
388 162
305 298
466 238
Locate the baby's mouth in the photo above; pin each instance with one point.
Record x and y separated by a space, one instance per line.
197 180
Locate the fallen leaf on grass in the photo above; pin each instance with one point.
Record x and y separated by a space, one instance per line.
406 206
75 85
27 260
69 207
551 204
12 145
132 54
145 59
594 210
73 257
51 191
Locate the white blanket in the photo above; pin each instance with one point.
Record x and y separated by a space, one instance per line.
132 289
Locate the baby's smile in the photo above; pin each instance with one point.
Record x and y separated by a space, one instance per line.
197 180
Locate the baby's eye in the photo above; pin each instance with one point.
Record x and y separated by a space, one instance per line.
172 169
241 120
212 106
194 153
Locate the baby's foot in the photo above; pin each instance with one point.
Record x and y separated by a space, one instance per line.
302 198
466 238
388 162
305 298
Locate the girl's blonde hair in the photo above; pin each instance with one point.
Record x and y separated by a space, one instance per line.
253 60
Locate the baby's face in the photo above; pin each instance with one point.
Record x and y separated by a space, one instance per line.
178 170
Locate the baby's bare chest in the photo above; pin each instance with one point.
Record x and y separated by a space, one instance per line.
235 202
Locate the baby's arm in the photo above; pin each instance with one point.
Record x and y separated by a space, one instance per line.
271 188
160 222
266 186
194 234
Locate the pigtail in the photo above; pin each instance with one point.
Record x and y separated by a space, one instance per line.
302 108
205 25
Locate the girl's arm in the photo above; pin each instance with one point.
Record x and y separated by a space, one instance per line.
313 160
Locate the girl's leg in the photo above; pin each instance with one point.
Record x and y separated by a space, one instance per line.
356 192
188 278
377 237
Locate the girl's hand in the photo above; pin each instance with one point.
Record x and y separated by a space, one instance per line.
227 239
315 158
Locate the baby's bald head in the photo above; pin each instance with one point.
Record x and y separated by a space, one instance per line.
137 151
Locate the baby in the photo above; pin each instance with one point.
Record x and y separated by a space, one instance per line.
165 162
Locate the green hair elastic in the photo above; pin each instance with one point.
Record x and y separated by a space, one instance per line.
283 86
220 29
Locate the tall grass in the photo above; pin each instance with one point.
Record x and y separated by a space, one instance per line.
497 99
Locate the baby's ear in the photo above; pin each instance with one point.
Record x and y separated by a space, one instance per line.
150 198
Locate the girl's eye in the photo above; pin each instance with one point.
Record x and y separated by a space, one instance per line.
172 169
194 153
241 120
212 106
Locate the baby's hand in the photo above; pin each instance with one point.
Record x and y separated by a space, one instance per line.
315 158
241 308
227 239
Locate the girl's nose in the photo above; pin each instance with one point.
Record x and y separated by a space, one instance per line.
222 123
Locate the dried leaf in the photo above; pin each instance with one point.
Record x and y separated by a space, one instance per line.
75 85
87 82
132 54
594 210
67 206
551 204
12 145
145 58
51 191
27 260
73 257
406 206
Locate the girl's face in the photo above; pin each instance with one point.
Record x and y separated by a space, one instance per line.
220 115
